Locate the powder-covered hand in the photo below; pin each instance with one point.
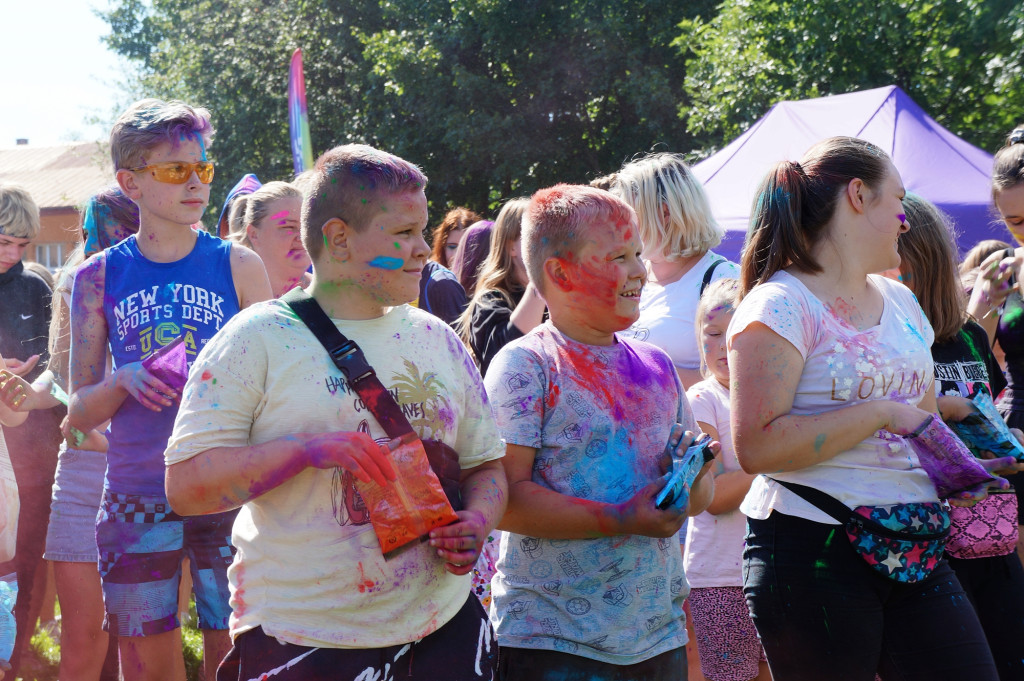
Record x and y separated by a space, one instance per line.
901 418
459 544
16 393
954 408
1003 465
150 391
352 451
639 515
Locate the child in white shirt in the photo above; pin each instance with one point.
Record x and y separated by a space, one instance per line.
727 641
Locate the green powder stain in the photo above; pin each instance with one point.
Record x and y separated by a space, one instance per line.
1012 316
215 381
334 180
396 245
325 241
819 442
364 200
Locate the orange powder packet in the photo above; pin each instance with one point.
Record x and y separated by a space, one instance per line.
411 506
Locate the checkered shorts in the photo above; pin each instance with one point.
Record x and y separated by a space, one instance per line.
142 543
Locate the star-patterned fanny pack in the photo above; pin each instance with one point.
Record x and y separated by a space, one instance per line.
903 542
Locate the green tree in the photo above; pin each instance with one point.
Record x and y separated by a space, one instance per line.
232 56
499 98
493 99
961 60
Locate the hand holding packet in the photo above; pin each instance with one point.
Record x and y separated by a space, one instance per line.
949 464
684 471
984 430
169 364
410 507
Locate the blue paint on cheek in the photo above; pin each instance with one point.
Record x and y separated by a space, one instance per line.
386 263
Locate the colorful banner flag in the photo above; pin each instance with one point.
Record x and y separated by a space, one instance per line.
298 117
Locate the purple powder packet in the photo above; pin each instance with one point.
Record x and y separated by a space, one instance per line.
949 464
169 364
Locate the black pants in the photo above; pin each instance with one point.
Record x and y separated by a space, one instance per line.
464 649
823 613
995 587
518 664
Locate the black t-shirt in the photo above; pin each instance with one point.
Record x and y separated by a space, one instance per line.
1010 336
24 331
965 364
491 327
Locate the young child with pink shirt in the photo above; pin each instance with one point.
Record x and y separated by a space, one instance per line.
727 641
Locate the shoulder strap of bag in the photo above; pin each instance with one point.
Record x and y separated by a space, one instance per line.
708 274
823 502
349 358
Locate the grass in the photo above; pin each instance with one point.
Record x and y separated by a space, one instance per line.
43 657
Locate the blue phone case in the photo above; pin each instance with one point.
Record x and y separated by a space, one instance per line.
684 472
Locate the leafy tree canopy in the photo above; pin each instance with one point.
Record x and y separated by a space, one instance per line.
493 99
961 60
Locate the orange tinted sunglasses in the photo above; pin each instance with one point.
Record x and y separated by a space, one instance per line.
175 172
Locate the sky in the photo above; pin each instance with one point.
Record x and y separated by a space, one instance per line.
56 72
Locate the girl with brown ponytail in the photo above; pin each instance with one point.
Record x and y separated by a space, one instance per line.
830 366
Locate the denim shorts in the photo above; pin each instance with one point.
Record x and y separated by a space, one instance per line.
142 544
77 491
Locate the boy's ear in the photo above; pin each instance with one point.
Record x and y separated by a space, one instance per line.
336 234
129 184
556 271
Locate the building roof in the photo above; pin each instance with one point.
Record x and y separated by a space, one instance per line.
58 177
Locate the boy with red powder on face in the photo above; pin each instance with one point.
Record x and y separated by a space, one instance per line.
268 422
590 581
167 282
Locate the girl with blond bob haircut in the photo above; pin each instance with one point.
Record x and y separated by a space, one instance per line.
678 232
671 207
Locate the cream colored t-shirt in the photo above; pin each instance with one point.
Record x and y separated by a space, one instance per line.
309 569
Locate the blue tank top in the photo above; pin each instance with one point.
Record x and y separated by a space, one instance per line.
147 305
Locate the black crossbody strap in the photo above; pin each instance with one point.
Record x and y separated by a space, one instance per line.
815 497
349 358
708 274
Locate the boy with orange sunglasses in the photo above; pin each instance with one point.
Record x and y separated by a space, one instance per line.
167 284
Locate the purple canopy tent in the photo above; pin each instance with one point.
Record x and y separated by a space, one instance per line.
932 161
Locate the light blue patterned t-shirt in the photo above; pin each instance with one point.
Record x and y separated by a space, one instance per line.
599 418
